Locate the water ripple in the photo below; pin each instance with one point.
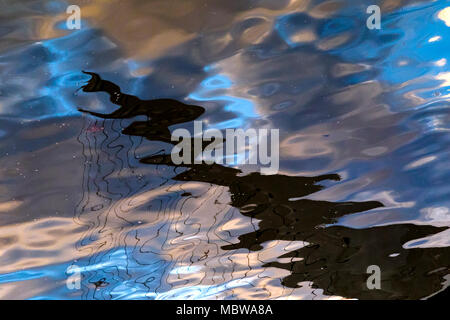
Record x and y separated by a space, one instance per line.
368 105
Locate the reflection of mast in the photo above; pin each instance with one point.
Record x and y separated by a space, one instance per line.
107 155
336 257
112 241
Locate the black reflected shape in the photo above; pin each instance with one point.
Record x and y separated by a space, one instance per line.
334 258
162 112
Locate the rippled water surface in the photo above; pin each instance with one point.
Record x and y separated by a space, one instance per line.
364 160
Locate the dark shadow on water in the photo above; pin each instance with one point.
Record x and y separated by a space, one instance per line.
162 112
334 258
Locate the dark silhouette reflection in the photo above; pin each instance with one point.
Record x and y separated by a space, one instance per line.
334 258
162 112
